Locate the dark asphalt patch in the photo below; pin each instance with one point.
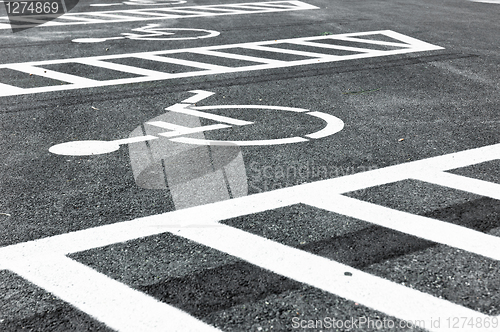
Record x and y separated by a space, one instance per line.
220 288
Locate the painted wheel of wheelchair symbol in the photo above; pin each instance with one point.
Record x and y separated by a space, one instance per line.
152 32
167 126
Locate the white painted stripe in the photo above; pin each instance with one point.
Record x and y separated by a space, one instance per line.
476 186
225 10
415 43
278 108
259 63
278 141
9 89
423 227
177 130
273 5
497 2
80 81
333 125
374 292
335 47
124 68
370 41
199 95
115 304
188 131
135 139
254 7
286 51
192 13
183 62
166 125
206 216
237 56
179 108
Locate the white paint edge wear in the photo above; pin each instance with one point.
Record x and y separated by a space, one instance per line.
406 45
43 261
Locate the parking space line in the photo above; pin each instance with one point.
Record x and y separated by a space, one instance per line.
148 14
201 224
123 68
423 227
52 74
285 51
191 12
209 51
119 306
12 90
333 47
220 51
277 141
476 186
181 62
383 295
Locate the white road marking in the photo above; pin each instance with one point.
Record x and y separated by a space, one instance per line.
475 186
423 227
115 16
79 148
186 130
497 2
66 278
43 263
333 125
68 78
410 45
119 67
278 141
180 108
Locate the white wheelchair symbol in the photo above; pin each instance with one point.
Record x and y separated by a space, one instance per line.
180 134
152 32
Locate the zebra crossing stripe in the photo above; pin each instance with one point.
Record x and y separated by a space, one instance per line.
404 44
149 14
44 261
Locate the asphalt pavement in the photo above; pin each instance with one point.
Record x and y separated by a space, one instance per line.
308 165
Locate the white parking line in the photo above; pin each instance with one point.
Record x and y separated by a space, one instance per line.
43 263
194 68
106 299
423 227
149 14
